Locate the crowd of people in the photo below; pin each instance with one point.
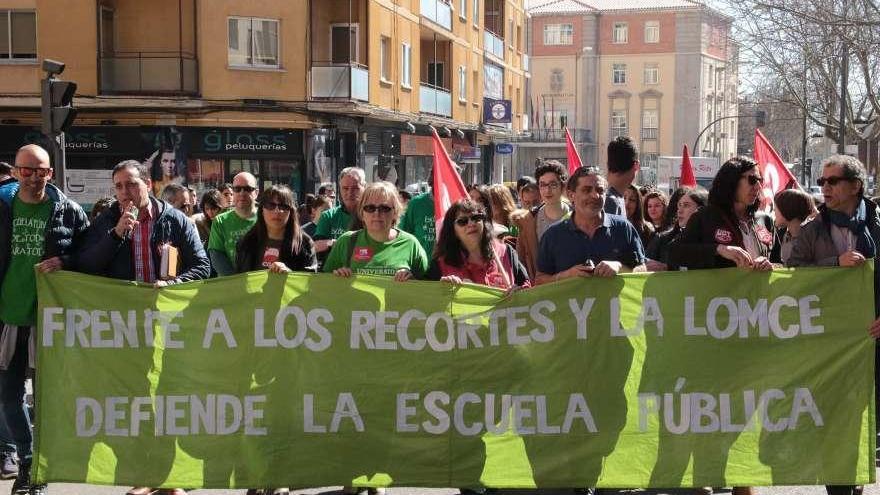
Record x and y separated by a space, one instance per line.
548 228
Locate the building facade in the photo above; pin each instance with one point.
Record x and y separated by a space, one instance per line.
658 71
291 90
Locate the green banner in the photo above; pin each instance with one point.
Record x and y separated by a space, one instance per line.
701 378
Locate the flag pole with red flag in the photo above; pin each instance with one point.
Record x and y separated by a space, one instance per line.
686 177
574 158
777 176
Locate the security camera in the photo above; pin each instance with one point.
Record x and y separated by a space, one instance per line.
410 128
53 67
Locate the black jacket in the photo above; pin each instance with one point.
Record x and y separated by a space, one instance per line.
65 230
707 229
108 255
658 248
249 255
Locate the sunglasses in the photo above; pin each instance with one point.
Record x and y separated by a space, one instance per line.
831 181
477 218
247 189
379 208
270 206
754 179
29 171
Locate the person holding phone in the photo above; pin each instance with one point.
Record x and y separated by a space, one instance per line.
590 242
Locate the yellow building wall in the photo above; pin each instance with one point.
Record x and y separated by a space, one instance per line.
154 26
219 81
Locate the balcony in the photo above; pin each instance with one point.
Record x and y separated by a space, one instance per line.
150 73
650 133
437 11
340 81
493 44
435 100
558 135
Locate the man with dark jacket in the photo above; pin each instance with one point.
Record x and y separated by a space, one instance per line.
38 226
125 241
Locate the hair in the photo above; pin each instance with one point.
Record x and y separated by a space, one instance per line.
622 154
225 187
99 207
356 173
170 192
142 169
852 169
723 192
210 199
524 181
670 219
483 192
292 233
327 186
550 167
579 172
644 227
448 247
5 168
318 202
528 187
696 194
156 164
794 204
388 192
502 202
655 194
405 194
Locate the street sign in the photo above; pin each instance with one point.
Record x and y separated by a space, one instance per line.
504 148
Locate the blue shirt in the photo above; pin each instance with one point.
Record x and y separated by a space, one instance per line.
564 245
615 203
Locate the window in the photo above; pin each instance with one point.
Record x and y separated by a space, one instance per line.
493 81
406 65
652 32
618 123
618 73
509 33
620 32
462 10
650 123
710 80
558 34
384 59
462 83
18 35
652 74
476 12
649 160
435 74
519 38
344 47
476 86
253 42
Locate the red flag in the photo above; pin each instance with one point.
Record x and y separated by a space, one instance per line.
687 178
448 187
574 158
776 175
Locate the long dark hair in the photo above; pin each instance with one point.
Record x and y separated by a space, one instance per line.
638 218
448 247
722 195
292 232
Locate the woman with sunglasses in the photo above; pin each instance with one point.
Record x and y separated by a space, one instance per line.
728 231
466 251
378 247
276 242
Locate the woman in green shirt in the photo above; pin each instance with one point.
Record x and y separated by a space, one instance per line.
378 247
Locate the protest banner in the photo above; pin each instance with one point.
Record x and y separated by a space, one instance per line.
701 378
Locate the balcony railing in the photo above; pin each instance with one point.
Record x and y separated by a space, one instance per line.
493 44
438 11
345 81
558 135
435 100
650 133
150 73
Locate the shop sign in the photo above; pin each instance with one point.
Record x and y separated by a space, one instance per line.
252 142
411 145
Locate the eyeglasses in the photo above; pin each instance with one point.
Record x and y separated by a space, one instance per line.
29 171
247 189
754 179
477 218
270 206
831 181
548 185
380 208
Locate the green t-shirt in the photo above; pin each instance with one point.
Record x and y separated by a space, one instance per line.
226 230
18 296
418 220
370 257
332 223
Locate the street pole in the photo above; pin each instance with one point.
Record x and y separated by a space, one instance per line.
804 172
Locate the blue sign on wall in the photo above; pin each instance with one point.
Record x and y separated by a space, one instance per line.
504 148
496 111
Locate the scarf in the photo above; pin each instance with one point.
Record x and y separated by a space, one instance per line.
858 225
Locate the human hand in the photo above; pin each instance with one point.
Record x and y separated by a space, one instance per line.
874 329
762 264
452 279
344 272
607 269
278 267
402 275
50 265
738 255
851 258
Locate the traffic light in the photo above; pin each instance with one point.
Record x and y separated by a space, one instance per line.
57 100
760 118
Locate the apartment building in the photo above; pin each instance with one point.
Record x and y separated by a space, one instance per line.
290 90
659 71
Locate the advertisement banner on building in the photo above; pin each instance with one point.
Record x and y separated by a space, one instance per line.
496 111
672 379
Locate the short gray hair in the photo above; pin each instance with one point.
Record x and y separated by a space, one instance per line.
171 191
579 172
142 169
852 168
356 173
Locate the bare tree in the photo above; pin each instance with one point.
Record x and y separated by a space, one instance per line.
798 46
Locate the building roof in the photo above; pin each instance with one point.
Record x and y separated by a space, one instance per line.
555 7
